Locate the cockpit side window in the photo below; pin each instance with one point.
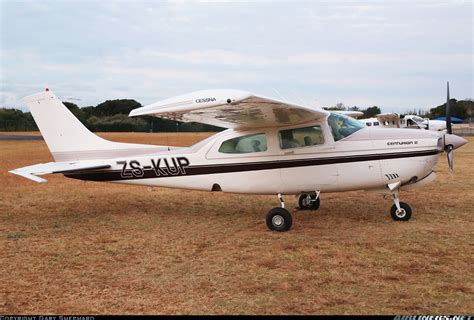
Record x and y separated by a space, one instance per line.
301 137
245 144
343 126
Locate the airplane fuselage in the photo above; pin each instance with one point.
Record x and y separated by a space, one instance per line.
368 159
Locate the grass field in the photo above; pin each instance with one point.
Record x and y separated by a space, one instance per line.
83 247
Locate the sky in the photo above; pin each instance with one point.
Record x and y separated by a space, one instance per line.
394 54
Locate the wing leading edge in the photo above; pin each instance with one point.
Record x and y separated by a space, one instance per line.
231 109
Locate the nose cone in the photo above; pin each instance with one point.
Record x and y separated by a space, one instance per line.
454 140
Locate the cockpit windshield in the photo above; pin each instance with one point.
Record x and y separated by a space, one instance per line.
418 119
343 126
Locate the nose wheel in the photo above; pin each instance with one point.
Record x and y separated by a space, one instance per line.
400 211
279 219
401 214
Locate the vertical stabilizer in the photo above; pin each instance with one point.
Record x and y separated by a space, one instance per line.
67 138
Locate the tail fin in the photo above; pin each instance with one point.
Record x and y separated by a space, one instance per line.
68 139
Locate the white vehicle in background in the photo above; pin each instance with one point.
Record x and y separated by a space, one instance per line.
371 122
395 120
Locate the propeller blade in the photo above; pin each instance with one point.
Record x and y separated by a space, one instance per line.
450 154
448 113
451 142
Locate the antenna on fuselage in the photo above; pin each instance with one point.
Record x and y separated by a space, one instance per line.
281 96
303 103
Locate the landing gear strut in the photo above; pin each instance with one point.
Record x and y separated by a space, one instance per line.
279 219
308 201
400 211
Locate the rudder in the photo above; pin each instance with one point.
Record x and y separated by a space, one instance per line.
67 138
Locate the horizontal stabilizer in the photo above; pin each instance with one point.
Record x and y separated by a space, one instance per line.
32 172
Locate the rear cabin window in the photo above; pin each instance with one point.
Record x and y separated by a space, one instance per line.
301 137
245 144
376 123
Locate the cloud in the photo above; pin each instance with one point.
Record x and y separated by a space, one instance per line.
212 56
8 98
395 53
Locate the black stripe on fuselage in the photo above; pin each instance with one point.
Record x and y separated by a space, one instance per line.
115 175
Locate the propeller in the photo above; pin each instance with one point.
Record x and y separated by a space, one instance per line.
449 151
449 148
451 141
448 113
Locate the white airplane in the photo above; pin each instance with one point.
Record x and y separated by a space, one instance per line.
395 120
270 147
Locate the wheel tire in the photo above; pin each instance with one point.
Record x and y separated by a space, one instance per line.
279 219
405 215
315 204
303 203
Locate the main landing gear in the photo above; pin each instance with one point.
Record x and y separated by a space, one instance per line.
308 201
279 219
400 211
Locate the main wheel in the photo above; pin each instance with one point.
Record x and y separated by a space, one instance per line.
309 203
404 214
279 219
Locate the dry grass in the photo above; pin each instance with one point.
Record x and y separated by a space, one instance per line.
83 247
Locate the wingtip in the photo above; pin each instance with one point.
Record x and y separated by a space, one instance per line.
28 176
134 113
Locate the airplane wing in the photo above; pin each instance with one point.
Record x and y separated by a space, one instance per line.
32 172
353 114
230 109
389 117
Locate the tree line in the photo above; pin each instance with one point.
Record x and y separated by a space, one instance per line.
112 116
109 116
462 109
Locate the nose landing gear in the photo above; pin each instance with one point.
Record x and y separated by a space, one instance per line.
400 211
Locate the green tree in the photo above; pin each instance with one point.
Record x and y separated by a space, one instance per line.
338 107
371 112
119 106
16 120
460 109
